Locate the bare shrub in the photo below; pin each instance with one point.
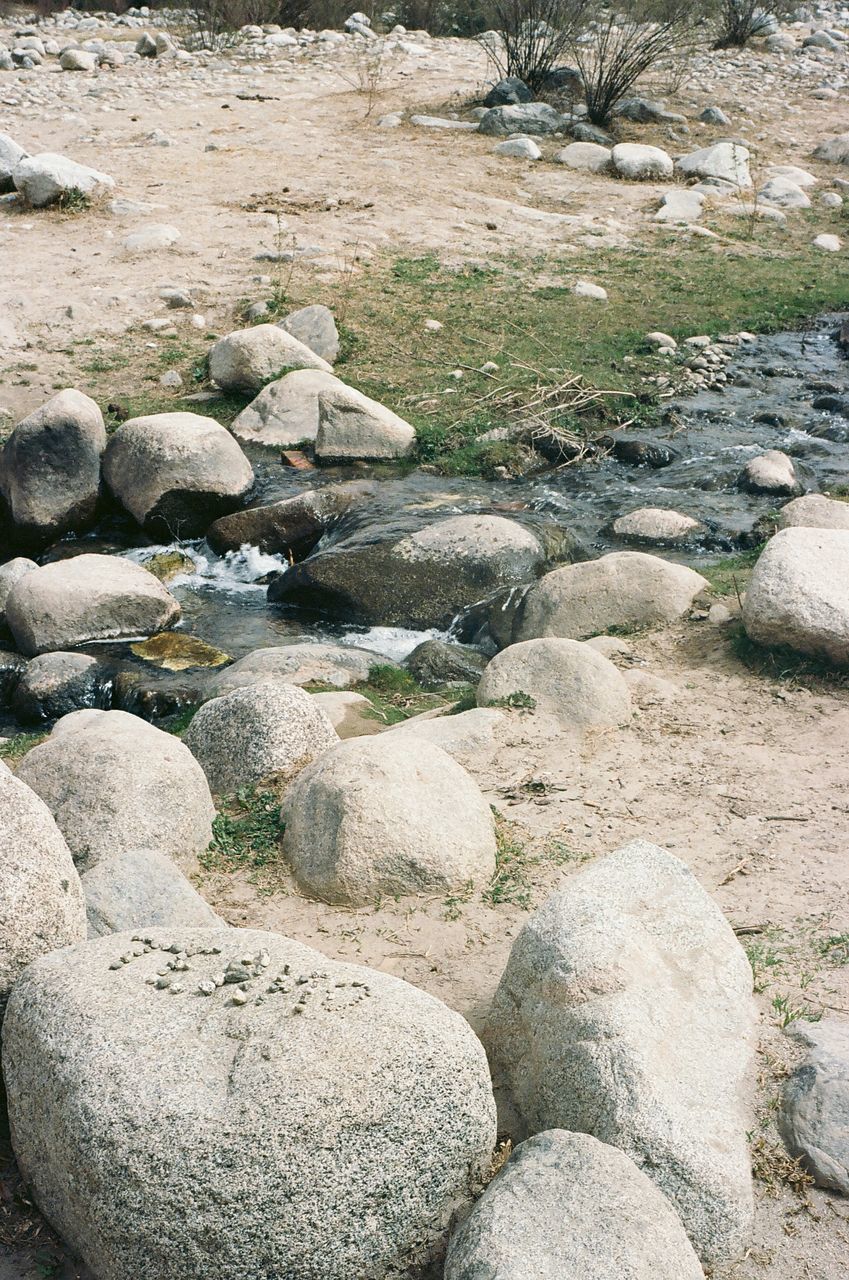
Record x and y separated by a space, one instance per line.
535 37
622 44
740 20
368 70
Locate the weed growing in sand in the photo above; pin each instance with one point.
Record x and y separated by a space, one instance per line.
731 573
73 201
510 882
787 1012
776 1170
245 833
395 695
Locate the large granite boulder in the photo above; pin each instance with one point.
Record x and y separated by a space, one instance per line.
569 681
626 1012
422 579
89 597
306 663
114 782
354 428
291 527
248 358
315 327
227 1102
386 815
265 733
50 470
48 179
176 472
138 889
41 901
286 411
567 1207
621 591
798 594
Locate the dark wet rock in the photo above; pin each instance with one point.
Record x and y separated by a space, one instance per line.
583 132
423 579
50 470
566 80
436 662
292 527
11 666
508 92
639 452
832 404
56 683
775 418
489 624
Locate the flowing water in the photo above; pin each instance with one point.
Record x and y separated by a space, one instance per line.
768 403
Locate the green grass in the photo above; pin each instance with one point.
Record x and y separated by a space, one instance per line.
732 573
395 695
246 833
785 665
18 746
516 863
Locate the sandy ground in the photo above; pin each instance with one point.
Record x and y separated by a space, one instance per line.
349 189
745 779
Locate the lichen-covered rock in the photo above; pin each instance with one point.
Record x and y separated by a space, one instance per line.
535 118
626 1011
798 594
625 589
285 412
141 888
114 782
50 469
89 597
248 358
315 327
567 1207
265 734
386 814
176 472
260 1110
569 681
814 1114
726 161
420 580
41 902
354 428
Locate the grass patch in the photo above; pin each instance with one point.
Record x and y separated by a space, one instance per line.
786 666
395 695
731 574
17 747
516 863
246 833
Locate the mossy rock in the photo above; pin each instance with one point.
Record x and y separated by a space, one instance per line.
175 651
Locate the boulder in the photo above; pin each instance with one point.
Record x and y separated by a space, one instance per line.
114 782
176 472
798 595
291 527
77 60
657 526
531 118
315 327
50 469
725 161
623 590
436 662
11 155
41 901
508 92
626 1012
834 150
644 111
640 163
353 428
801 177
307 663
263 734
586 156
140 888
248 358
10 573
56 683
52 179
567 680
88 597
812 511
386 815
770 472
814 1115
285 413
420 580
566 1205
681 207
469 737
518 148
782 193
230 1136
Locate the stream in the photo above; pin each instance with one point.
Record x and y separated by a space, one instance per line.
788 391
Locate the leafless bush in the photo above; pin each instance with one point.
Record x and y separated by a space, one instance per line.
535 37
739 20
368 70
622 44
